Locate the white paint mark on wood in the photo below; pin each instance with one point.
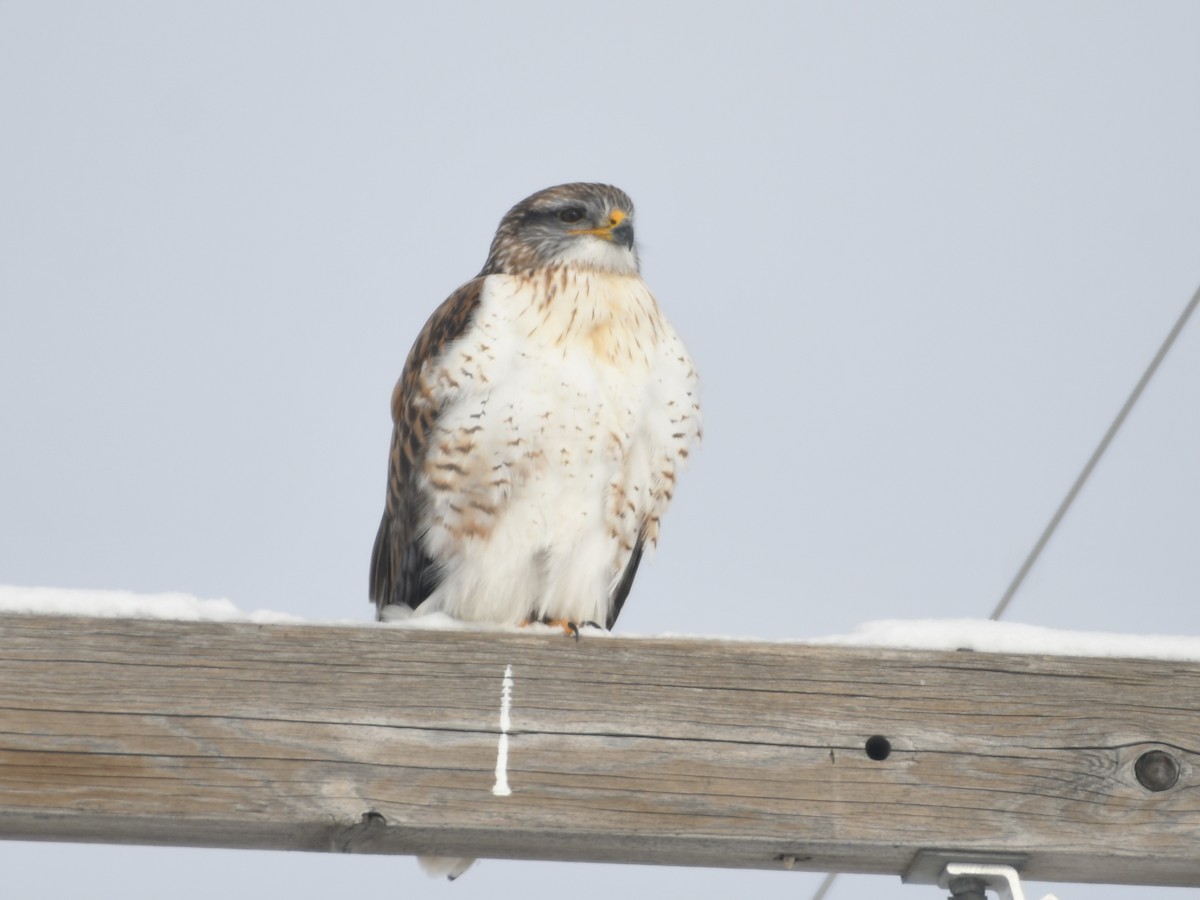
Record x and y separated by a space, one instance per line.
501 788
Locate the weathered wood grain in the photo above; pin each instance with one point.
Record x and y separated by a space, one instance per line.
671 751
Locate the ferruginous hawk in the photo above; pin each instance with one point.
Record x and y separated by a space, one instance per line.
540 422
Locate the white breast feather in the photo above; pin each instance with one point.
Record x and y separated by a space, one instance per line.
567 408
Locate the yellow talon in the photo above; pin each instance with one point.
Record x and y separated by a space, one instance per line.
569 628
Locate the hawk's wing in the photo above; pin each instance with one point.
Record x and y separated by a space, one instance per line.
401 572
621 591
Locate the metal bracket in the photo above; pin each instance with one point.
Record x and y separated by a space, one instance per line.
970 880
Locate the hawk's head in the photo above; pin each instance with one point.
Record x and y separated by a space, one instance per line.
584 225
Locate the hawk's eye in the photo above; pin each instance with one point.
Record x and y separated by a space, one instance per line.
571 214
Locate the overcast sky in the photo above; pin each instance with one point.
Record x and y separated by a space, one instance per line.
920 253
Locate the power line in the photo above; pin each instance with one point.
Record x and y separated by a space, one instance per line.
824 886
1052 525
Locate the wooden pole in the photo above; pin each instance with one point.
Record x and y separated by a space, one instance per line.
667 751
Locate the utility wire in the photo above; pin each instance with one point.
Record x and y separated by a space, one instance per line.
1052 526
824 886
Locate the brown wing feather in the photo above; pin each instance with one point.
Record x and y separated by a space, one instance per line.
401 572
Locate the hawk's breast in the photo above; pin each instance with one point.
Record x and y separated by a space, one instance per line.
552 448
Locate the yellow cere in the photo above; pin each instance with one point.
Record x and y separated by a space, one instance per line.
615 218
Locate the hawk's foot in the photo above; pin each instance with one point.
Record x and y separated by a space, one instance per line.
571 629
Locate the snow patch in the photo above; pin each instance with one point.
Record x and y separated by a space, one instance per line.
402 617
1013 637
48 601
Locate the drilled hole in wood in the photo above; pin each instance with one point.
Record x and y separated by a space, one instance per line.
878 747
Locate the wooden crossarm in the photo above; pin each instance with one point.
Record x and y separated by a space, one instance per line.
671 751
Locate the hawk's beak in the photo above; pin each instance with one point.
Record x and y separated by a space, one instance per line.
618 229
